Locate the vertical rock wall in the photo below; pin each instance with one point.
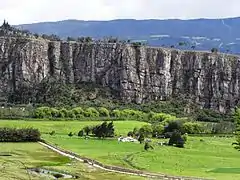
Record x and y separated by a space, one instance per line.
138 74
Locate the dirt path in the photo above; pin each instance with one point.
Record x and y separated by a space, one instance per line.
114 168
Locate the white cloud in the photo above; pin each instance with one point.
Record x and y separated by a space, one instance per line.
28 11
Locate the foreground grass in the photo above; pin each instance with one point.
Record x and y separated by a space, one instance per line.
64 127
211 157
34 155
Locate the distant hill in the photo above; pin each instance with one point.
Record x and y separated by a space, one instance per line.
201 34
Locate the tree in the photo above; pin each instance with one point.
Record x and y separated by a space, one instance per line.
174 126
104 130
110 130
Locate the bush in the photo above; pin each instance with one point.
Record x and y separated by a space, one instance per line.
146 130
43 112
174 126
70 134
54 113
104 112
81 133
141 138
63 113
159 117
78 111
91 112
147 146
136 131
19 135
192 128
87 130
52 133
116 113
176 139
130 134
158 129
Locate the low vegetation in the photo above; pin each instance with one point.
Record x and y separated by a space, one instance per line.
19 135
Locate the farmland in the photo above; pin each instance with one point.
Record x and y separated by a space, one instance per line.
64 127
14 157
208 157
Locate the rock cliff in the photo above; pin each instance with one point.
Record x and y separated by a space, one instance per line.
137 74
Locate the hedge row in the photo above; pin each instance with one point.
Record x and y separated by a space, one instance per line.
19 135
91 112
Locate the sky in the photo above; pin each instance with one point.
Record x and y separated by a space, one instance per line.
31 11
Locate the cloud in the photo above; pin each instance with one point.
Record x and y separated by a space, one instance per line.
29 11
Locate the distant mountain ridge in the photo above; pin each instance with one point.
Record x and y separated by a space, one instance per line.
200 34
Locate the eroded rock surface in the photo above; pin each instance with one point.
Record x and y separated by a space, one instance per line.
138 74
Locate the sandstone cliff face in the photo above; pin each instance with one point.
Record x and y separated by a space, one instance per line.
138 74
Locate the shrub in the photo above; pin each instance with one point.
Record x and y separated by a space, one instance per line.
176 139
116 113
174 126
192 128
43 112
87 130
81 133
63 113
130 134
70 134
71 114
147 146
136 131
141 138
78 111
19 135
104 112
159 117
91 112
52 133
54 113
158 129
146 130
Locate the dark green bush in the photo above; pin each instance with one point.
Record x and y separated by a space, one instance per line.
81 133
130 134
176 139
19 135
70 134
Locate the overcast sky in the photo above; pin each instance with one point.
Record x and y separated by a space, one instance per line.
30 11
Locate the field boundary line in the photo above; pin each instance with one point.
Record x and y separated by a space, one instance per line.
115 169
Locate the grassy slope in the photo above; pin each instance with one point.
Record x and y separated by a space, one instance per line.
64 127
34 155
197 159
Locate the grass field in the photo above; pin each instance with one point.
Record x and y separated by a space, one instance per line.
34 155
212 158
64 127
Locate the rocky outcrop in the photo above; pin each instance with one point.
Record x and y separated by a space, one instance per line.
138 74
